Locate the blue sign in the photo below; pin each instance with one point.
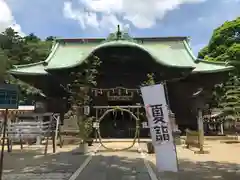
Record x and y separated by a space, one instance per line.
8 96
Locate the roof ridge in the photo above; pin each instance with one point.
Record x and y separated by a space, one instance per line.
51 54
189 50
99 39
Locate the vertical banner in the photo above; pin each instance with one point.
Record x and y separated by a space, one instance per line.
160 128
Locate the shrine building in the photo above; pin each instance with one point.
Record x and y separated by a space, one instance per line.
126 62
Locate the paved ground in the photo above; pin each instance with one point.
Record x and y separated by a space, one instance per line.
115 166
107 165
30 164
222 163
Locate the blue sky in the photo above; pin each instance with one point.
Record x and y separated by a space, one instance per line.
96 18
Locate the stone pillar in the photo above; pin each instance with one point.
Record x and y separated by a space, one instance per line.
175 131
221 128
200 129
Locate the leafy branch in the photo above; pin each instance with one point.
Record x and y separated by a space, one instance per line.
150 80
82 80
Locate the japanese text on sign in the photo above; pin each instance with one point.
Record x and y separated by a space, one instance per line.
159 125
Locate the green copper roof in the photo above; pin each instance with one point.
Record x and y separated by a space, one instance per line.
30 69
172 53
203 66
68 55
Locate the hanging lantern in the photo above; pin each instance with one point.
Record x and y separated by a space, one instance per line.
96 125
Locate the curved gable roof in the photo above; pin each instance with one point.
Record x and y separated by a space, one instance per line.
171 53
69 55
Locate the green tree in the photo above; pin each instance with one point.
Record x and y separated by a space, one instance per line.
224 46
50 38
83 79
3 66
15 50
32 38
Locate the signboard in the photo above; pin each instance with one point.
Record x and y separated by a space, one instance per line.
119 94
119 98
40 107
144 125
8 96
160 127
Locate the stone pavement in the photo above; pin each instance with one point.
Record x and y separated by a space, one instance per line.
115 166
105 165
32 165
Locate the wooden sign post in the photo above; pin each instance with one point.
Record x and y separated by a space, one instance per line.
8 100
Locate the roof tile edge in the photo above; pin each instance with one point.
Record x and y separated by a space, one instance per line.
98 40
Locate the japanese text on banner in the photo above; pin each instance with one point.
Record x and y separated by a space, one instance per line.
159 124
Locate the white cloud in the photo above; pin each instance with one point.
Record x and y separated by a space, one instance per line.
7 19
108 13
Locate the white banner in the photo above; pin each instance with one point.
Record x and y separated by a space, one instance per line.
160 127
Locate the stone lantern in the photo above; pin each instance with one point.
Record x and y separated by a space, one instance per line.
175 131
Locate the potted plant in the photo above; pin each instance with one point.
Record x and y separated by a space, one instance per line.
85 129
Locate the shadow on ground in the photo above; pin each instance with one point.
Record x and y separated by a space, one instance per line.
24 163
107 166
31 164
207 170
115 166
